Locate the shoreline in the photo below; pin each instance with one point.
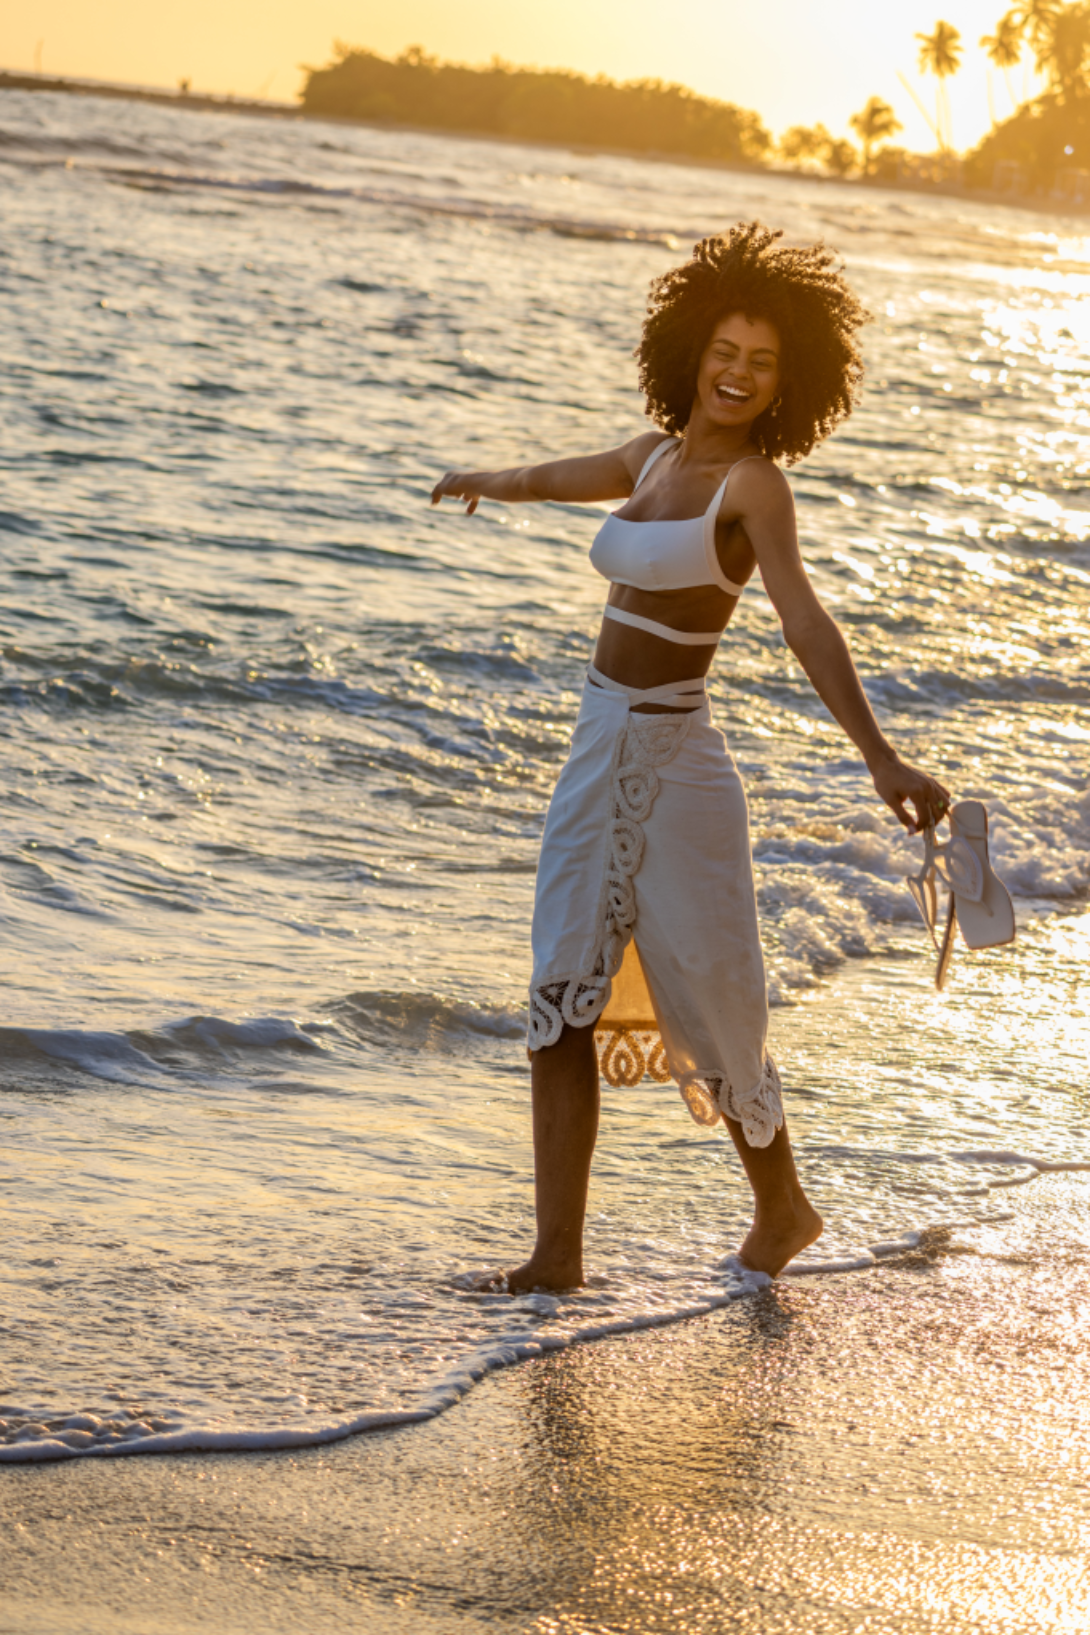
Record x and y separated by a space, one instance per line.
212 102
854 1453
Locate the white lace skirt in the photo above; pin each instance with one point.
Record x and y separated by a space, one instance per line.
645 916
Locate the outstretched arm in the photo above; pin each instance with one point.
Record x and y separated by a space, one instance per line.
767 511
607 476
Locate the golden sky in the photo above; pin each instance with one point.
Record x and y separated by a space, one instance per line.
794 61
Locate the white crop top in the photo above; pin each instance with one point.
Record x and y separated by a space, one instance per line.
665 555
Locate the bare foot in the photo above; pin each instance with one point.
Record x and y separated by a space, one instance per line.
541 1274
775 1239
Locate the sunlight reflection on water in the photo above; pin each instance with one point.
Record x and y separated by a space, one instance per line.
279 740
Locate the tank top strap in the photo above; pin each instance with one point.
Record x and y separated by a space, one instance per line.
717 499
742 462
711 516
720 493
660 448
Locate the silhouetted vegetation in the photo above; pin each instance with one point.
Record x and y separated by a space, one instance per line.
1045 145
940 54
873 124
1030 151
806 145
551 105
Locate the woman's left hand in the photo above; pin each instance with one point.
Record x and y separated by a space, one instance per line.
897 782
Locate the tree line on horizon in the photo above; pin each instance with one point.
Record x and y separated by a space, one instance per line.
1043 135
534 104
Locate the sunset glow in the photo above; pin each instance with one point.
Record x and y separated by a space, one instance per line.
839 55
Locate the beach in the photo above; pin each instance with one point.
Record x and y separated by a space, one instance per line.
798 1464
278 740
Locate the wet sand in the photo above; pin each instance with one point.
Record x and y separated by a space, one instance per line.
905 1449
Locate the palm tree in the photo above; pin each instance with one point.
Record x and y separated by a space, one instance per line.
940 54
1035 19
872 124
1061 50
1004 48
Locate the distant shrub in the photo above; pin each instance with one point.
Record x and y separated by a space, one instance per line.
1043 139
550 105
814 143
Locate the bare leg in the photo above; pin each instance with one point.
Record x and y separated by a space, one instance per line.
784 1220
565 1090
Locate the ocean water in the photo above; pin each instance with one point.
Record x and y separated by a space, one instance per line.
278 741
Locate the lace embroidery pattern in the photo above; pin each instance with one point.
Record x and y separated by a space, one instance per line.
629 1052
759 1112
643 744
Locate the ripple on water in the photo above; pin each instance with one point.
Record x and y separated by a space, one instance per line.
279 739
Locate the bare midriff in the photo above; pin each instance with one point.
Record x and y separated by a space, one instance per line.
636 658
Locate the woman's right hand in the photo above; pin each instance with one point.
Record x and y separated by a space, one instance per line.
460 485
584 479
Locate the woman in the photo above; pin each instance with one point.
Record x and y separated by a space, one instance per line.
645 914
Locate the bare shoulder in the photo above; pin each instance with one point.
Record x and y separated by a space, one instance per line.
757 485
638 450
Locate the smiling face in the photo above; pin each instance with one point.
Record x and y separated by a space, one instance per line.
740 371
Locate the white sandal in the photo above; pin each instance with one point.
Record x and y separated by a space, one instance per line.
979 901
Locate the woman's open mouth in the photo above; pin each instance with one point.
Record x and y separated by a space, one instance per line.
732 394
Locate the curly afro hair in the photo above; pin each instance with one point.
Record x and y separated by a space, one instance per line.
801 291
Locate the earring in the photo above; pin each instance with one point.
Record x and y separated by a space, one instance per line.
774 406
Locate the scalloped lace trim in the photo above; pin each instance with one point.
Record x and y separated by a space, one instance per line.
627 1053
708 1095
644 743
